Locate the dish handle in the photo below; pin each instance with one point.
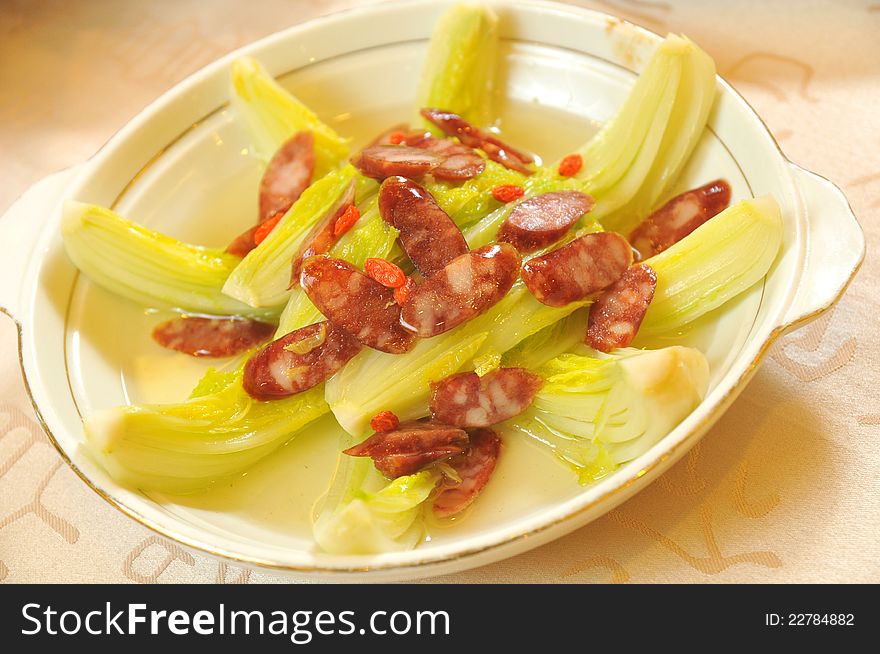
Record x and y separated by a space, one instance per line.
835 248
20 228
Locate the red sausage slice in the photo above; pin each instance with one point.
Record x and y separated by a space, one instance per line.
679 217
356 303
427 234
459 161
211 337
586 265
542 220
243 243
411 447
298 361
475 467
288 174
323 235
617 313
467 286
467 400
496 149
381 161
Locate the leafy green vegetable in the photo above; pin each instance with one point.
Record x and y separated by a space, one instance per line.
596 413
364 513
684 128
375 381
633 160
713 264
459 69
148 267
271 115
218 432
263 276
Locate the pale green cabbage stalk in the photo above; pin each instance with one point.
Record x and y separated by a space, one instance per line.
364 513
262 278
596 413
637 155
148 267
713 264
459 70
271 115
185 447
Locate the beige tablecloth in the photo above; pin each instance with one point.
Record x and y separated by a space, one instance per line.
784 488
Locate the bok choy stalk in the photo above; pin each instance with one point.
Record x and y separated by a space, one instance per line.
262 278
364 513
459 70
632 161
713 264
271 115
218 432
596 413
467 202
375 381
694 100
148 267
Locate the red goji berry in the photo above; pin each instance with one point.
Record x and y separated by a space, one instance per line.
507 192
396 138
570 165
347 220
385 272
266 227
384 421
401 293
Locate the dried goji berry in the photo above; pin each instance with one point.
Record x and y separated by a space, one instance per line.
401 293
570 165
507 192
384 421
347 220
385 272
266 227
396 138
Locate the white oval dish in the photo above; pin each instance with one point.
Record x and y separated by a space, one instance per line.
181 167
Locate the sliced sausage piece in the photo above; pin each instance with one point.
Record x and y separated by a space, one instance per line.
381 161
323 234
288 174
474 467
467 400
411 446
298 361
243 243
467 286
679 217
356 303
570 273
496 149
459 161
617 313
211 337
542 220
428 236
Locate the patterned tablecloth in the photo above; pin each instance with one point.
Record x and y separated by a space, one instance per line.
784 488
